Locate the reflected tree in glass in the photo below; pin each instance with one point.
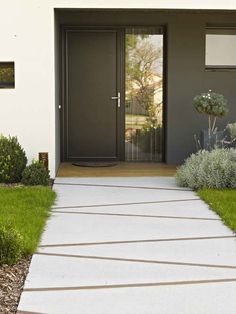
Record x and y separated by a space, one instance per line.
144 59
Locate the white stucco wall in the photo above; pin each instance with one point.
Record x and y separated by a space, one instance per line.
27 38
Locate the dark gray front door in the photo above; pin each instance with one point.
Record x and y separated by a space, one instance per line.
90 114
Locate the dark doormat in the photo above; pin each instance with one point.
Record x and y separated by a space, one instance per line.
95 164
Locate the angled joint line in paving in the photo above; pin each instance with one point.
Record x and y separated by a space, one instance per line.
124 186
136 241
133 215
131 285
28 312
132 260
126 204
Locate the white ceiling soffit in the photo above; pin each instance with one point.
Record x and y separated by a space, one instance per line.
149 4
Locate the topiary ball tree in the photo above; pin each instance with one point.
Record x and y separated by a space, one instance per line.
12 160
212 104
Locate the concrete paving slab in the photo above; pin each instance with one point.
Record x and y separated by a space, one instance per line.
213 252
153 182
66 229
54 271
184 253
72 195
214 298
196 209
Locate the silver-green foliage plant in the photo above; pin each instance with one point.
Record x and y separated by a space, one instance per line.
210 169
12 160
212 104
231 128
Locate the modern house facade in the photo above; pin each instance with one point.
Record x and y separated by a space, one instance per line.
113 80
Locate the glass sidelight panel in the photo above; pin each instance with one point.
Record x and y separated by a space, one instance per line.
144 95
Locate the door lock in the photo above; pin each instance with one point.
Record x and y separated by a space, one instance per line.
117 98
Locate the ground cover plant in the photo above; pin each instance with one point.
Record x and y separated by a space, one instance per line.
223 202
213 175
209 169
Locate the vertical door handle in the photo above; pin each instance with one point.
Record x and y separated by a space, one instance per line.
117 98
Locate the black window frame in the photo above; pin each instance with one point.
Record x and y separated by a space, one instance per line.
4 84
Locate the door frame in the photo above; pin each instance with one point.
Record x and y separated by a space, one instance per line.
64 88
120 31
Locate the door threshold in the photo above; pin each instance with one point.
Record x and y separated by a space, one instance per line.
122 169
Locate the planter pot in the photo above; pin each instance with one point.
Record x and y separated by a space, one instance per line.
229 142
211 140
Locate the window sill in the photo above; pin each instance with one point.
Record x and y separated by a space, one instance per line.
215 68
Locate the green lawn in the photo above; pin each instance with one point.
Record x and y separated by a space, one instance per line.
26 209
223 202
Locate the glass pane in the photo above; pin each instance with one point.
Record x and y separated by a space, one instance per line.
7 75
221 47
144 95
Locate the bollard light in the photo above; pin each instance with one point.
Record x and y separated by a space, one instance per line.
43 157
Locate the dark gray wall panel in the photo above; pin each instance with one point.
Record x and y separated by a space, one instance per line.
186 75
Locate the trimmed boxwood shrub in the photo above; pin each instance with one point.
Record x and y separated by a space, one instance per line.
35 174
11 245
12 160
214 169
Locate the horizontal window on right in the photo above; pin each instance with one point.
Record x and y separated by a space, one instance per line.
220 50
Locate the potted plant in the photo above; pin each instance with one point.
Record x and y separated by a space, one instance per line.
214 106
230 138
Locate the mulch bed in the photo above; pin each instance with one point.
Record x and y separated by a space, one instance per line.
17 185
10 185
11 284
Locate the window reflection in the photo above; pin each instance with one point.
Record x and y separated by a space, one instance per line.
144 95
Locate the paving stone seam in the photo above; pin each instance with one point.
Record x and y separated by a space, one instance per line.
124 186
134 215
138 241
122 204
28 312
136 285
132 260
